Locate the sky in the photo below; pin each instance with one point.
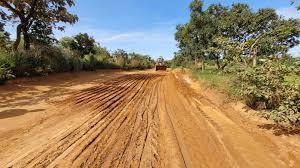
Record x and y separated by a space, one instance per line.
147 26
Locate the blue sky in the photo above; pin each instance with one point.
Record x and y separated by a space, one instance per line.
147 26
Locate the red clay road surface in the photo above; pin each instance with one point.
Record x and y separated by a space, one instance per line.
132 119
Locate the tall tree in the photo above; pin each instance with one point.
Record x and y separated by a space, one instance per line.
191 39
41 13
234 34
83 44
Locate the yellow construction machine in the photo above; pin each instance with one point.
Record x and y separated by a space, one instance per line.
160 64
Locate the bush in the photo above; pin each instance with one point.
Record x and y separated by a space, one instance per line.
5 74
289 110
27 63
6 64
44 59
265 88
53 58
76 64
138 61
89 62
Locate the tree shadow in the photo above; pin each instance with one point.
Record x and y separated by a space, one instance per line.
56 85
279 130
17 112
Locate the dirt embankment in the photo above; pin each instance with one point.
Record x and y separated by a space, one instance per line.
134 119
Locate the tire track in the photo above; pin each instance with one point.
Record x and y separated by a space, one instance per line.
139 120
110 107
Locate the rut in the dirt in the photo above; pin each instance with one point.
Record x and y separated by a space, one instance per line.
144 120
121 128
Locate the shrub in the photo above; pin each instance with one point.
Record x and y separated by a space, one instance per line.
264 87
5 74
89 62
76 64
53 58
289 110
27 63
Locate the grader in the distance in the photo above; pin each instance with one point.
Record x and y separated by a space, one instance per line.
160 64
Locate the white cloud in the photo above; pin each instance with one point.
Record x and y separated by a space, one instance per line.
288 12
123 36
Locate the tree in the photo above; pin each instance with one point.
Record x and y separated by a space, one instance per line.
140 61
33 15
293 2
103 54
66 42
234 34
195 39
120 57
83 44
191 39
214 15
41 33
4 37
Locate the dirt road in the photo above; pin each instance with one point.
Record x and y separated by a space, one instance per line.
132 119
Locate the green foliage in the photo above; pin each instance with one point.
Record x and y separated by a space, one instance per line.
138 61
213 79
5 74
264 87
5 66
293 79
120 57
76 63
249 45
43 59
82 43
4 38
36 19
66 41
90 62
289 110
53 58
236 33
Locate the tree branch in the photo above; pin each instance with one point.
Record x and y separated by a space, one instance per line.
7 5
33 5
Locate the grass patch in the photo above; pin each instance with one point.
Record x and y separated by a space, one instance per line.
214 79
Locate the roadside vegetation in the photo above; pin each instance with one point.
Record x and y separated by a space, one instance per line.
36 51
244 52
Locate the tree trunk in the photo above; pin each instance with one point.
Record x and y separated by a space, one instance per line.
254 57
218 63
26 39
18 38
202 65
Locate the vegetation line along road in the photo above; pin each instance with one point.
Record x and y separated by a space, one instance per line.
247 51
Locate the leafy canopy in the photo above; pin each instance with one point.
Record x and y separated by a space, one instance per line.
36 19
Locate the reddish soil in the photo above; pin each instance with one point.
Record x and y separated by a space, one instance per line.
133 119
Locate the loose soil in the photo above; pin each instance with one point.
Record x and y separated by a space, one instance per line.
134 119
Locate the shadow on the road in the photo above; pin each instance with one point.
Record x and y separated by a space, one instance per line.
17 112
56 84
280 130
